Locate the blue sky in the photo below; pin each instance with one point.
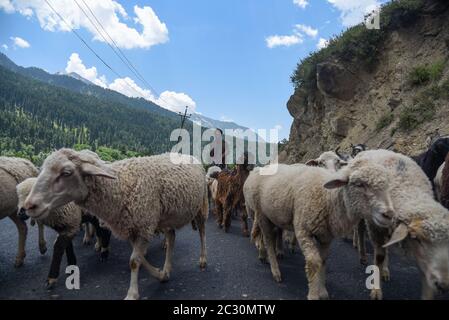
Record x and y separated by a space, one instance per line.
229 60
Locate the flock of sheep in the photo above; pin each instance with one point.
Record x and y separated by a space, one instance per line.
389 195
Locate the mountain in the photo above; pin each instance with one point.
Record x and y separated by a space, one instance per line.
37 117
76 83
78 77
386 88
212 123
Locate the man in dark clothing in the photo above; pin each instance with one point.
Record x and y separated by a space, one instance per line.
219 150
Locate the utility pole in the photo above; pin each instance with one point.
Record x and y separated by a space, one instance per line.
183 116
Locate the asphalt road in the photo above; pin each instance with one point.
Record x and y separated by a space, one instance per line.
233 272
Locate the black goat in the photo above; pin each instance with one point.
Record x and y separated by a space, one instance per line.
433 158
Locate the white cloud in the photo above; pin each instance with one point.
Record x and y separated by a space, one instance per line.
5 46
278 127
301 3
299 32
170 100
111 14
6 6
311 32
19 42
322 43
354 11
286 41
175 101
75 64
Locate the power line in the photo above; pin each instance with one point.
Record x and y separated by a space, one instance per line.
116 49
128 62
90 48
101 34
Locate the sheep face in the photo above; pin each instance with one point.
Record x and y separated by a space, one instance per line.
367 192
433 260
432 254
62 180
329 160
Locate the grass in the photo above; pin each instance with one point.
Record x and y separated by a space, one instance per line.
357 44
384 121
423 74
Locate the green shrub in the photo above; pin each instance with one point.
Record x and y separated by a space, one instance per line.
384 121
419 75
436 70
358 44
413 116
423 74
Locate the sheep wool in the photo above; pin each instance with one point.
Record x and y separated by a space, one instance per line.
18 168
147 190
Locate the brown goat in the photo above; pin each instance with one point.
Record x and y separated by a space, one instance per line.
230 197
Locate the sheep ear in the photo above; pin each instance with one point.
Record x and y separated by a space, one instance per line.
312 163
336 183
399 234
98 170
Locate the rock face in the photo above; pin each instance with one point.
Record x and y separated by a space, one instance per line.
352 105
334 80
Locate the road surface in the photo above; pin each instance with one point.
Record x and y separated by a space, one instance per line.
233 272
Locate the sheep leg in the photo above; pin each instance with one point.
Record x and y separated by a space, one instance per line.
136 259
245 229
103 239
202 231
61 243
324 253
141 249
22 230
279 244
427 292
355 237
269 237
381 261
42 242
256 236
219 213
170 237
361 244
71 258
227 211
87 234
314 264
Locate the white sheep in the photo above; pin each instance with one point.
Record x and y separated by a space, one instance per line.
12 172
420 223
65 220
333 161
135 198
212 184
318 205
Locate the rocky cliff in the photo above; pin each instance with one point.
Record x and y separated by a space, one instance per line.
385 88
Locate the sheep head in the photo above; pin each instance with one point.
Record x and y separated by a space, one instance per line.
367 191
428 240
329 160
62 180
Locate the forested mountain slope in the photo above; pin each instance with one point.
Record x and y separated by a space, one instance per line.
36 117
